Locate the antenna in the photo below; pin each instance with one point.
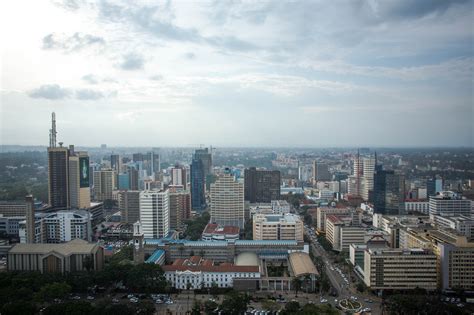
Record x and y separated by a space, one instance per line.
52 131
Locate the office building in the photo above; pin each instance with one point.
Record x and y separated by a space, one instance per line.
323 212
368 171
104 184
261 185
116 163
56 258
416 206
321 172
12 208
154 213
389 190
400 269
178 176
434 186
342 231
129 206
58 177
280 206
449 204
462 224
180 208
198 198
215 232
206 158
277 227
123 182
227 201
79 191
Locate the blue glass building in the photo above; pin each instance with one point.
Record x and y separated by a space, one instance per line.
198 198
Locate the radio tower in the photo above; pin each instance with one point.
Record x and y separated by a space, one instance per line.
52 131
358 173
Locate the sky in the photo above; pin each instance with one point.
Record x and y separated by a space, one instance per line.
238 73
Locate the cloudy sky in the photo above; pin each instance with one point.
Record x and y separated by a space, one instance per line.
238 73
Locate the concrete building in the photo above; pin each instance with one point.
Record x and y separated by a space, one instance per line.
104 184
227 201
368 172
277 227
321 172
57 227
416 206
462 224
178 176
214 232
449 204
154 213
341 232
79 191
180 208
58 177
76 255
129 206
400 269
12 208
280 206
322 212
199 272
261 185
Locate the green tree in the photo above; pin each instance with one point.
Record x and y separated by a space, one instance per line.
196 310
55 290
17 307
296 284
209 307
270 305
234 303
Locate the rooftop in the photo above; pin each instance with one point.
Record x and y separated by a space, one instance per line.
302 264
76 246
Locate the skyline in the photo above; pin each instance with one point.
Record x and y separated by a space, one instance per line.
395 74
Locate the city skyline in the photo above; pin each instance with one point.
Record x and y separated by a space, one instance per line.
394 74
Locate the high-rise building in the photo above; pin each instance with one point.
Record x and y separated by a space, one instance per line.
206 157
178 176
321 172
180 208
104 184
154 213
129 205
198 198
227 201
123 182
433 186
369 170
79 191
30 219
261 185
389 192
449 204
58 172
133 178
115 162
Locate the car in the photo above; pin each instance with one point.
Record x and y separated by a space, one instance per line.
114 300
76 297
134 300
460 305
130 296
169 302
453 300
370 301
90 297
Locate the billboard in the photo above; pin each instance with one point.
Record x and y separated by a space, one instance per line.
84 172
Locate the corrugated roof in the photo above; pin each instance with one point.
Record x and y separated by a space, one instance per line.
302 264
76 246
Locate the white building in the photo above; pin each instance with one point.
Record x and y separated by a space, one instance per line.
417 206
198 272
322 212
227 201
154 213
369 170
280 206
449 204
462 224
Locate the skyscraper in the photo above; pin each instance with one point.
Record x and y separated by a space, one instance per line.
129 206
30 219
133 178
154 213
178 176
198 198
388 192
321 171
79 191
433 186
227 201
180 208
369 170
261 185
205 156
58 183
104 184
115 162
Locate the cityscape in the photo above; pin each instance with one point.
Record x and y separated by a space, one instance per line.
237 158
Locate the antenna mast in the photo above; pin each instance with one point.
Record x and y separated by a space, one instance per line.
52 131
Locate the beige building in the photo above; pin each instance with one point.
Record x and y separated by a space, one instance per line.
104 184
277 227
227 201
341 232
322 212
79 191
400 269
65 257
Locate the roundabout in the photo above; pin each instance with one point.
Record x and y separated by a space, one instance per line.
350 305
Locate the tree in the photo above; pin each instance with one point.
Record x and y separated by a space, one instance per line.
70 308
296 284
196 310
17 307
234 303
55 290
270 305
292 307
209 307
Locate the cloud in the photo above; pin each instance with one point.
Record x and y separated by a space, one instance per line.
190 55
132 62
90 78
76 42
410 9
157 77
50 92
87 95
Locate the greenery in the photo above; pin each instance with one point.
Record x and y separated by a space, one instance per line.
196 226
294 308
419 304
276 271
296 283
235 303
324 243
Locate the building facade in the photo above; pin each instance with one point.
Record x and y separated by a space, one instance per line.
154 213
261 185
227 201
277 227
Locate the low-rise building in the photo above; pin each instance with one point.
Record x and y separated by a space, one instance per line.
280 206
277 227
463 224
400 269
76 255
322 212
421 206
215 232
